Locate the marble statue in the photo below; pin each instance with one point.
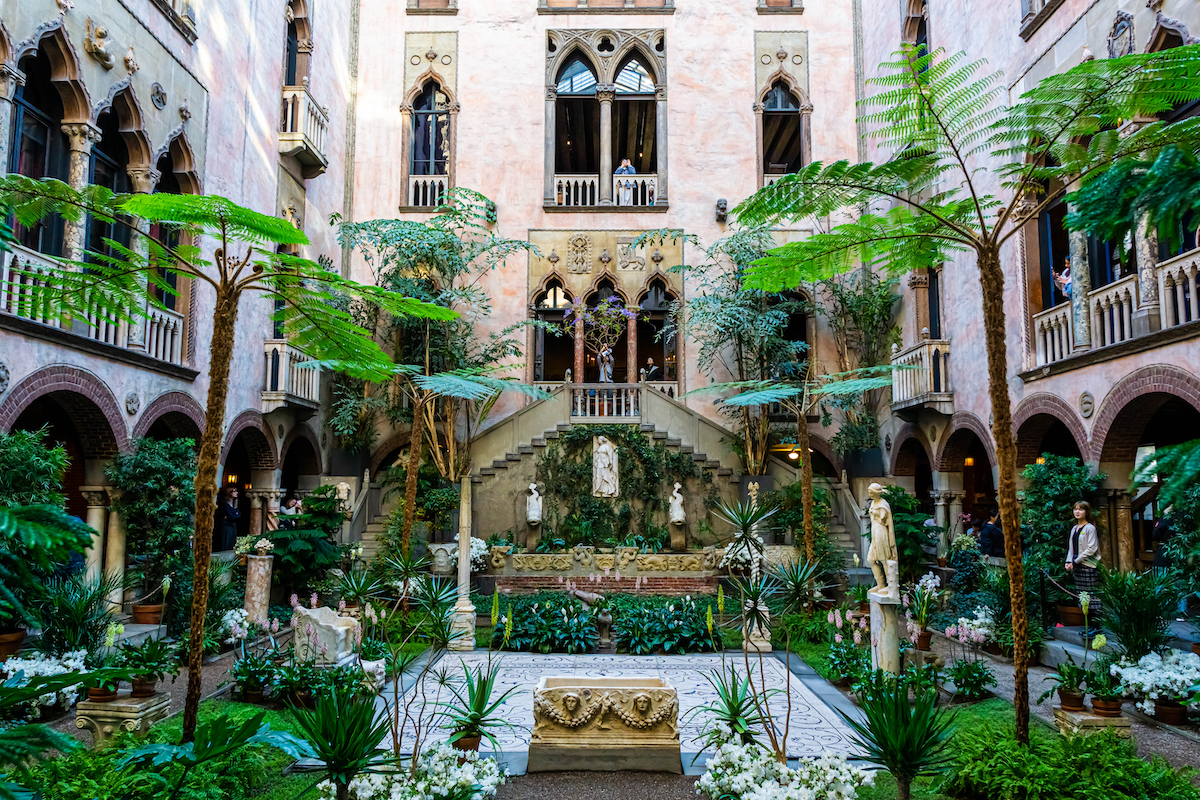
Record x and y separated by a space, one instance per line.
752 491
533 506
677 515
882 555
605 469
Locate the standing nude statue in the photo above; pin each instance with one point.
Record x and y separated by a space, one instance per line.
882 555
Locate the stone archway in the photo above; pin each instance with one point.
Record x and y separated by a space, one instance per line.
968 456
176 413
1044 423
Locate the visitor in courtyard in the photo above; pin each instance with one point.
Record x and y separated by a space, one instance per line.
604 360
991 538
625 187
626 167
291 508
652 371
227 520
1063 279
1083 557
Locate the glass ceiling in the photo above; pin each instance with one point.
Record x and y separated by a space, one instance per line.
577 78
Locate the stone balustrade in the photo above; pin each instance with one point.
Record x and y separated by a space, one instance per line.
1053 330
634 190
1111 308
303 128
924 371
1179 289
576 190
284 379
620 402
427 191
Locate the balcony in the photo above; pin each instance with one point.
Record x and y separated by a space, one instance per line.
606 402
1179 290
634 190
606 6
155 340
427 191
286 385
923 379
1112 308
628 192
576 190
1053 333
303 126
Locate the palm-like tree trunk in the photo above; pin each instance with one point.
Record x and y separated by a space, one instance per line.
991 281
806 482
415 444
221 354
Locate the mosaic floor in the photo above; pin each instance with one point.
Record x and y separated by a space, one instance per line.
815 728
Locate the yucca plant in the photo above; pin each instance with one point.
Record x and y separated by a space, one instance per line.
797 581
472 714
345 733
74 612
746 518
940 116
244 262
358 587
908 739
733 712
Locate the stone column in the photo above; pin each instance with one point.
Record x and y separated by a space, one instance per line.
580 352
258 586
956 504
10 79
660 141
1081 284
464 612
406 146
940 515
256 516
551 139
273 497
605 94
1126 549
452 156
631 348
97 511
1147 317
80 136
114 551
806 110
143 180
758 142
885 633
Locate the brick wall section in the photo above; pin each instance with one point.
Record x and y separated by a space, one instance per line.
260 441
1030 431
904 461
174 403
310 462
527 584
89 403
1158 378
954 448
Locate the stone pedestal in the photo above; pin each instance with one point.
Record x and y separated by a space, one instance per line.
755 638
134 714
605 724
258 586
441 558
114 551
885 633
1081 722
463 623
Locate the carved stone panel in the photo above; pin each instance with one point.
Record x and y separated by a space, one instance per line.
536 562
779 54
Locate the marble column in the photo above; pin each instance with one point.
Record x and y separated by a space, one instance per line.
1126 547
661 142
10 79
114 551
885 633
97 512
406 146
758 142
1147 317
806 110
580 352
273 498
81 136
256 513
551 140
940 515
1081 285
464 613
258 586
605 94
631 352
956 504
143 179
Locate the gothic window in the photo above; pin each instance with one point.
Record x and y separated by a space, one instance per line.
553 350
633 124
935 302
39 147
577 134
291 55
109 167
657 339
605 290
431 131
782 131
1054 248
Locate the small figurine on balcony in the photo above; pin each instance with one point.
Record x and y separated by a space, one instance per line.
533 506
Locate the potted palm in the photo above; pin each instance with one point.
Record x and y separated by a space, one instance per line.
357 589
148 663
471 715
1068 680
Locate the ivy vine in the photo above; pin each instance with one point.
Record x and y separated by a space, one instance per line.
646 468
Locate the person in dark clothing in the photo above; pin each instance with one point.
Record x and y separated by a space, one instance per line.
228 514
1164 529
991 540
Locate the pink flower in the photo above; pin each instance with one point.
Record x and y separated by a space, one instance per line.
606 571
830 617
275 626
618 574
874 642
858 637
862 623
837 617
950 632
560 579
341 605
904 597
837 637
294 600
312 600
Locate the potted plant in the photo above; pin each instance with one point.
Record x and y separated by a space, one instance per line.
357 588
858 593
12 634
298 682
1164 683
242 546
148 663
472 713
1068 680
101 687
924 601
1107 693
254 674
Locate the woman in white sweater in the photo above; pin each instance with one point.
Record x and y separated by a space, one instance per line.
1083 556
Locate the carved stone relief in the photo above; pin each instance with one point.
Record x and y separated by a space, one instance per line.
627 257
96 43
579 257
1120 40
607 49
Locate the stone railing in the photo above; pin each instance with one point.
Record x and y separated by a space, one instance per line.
924 371
164 335
619 402
634 190
22 272
284 380
1179 289
427 191
303 128
1112 308
1052 333
576 190
669 388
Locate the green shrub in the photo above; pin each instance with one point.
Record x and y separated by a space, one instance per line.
847 661
676 627
304 553
809 628
546 622
989 763
31 471
971 678
1139 607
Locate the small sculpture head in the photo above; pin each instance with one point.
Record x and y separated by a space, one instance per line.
533 488
571 702
642 703
875 490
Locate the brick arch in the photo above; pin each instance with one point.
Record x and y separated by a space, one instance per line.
86 399
304 432
954 448
260 444
1155 379
821 445
175 404
909 433
393 442
1034 416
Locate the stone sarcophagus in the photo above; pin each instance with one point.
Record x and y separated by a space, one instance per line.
605 724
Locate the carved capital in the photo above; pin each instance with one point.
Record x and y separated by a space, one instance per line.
806 108
304 46
95 497
10 79
660 92
918 280
81 136
406 109
551 92
606 92
144 179
758 108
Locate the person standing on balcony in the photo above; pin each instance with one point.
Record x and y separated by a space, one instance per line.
625 187
228 516
1063 279
1083 556
652 371
604 360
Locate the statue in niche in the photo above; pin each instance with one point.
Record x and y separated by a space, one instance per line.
677 515
605 466
882 555
533 506
95 44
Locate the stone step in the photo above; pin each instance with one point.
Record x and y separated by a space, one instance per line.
498 464
712 463
514 456
725 472
135 634
673 442
487 471
525 449
646 427
660 435
1055 652
551 435
539 441
476 479
563 427
699 458
686 448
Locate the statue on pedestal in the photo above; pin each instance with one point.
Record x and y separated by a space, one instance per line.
533 506
883 555
677 515
605 469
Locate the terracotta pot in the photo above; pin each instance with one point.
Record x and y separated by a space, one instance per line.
467 743
1196 648
252 695
1107 708
145 614
101 694
1070 701
1170 712
241 559
144 687
10 643
864 608
1071 616
941 562
304 699
924 638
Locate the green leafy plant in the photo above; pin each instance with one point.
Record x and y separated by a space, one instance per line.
733 714
358 587
74 612
545 623
1067 677
253 671
746 549
798 580
344 734
1139 609
912 534
1101 683
971 677
153 658
859 593
908 739
22 745
472 713
306 551
33 540
847 661
674 627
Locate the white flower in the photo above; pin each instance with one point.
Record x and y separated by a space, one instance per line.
264 544
235 623
1156 677
45 666
438 776
751 773
479 553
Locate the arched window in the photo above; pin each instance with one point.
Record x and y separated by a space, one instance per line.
431 131
633 130
40 148
553 350
783 144
657 340
577 77
634 78
109 167
1055 249
577 125
606 290
291 55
